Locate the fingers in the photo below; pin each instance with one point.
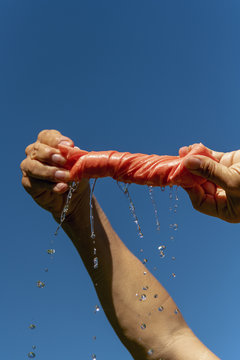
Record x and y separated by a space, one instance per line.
53 138
36 187
45 154
37 170
211 170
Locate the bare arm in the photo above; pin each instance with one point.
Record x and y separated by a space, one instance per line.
120 275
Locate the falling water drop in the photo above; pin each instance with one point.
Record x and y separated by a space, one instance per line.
97 309
156 296
32 326
150 351
34 347
143 297
175 227
163 188
95 263
125 190
173 275
51 251
145 287
144 261
94 357
150 190
31 355
143 326
160 308
176 311
46 269
173 258
91 209
145 273
40 284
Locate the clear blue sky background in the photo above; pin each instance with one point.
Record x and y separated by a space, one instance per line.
139 76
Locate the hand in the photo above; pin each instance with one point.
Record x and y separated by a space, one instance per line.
220 195
44 176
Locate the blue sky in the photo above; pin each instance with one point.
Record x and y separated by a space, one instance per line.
138 76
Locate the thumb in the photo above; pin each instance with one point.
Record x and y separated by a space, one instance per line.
209 169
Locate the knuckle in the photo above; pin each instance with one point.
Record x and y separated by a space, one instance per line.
208 169
28 149
36 146
43 134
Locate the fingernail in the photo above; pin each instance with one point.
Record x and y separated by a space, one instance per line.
60 186
58 159
65 142
192 163
60 175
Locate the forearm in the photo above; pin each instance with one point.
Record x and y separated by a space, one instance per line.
117 280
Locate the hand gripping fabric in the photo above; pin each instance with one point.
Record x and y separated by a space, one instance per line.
140 169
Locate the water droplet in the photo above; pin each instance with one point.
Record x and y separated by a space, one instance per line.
94 337
163 188
173 258
40 284
156 296
31 355
34 347
93 235
32 326
97 309
145 273
171 226
175 227
94 251
171 237
141 250
176 311
170 208
143 326
145 261
173 275
170 195
46 269
145 287
150 351
95 263
94 357
160 308
161 254
51 251
162 247
143 297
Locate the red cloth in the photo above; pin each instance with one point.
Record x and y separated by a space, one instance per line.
140 169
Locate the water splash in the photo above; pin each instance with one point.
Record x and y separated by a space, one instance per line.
72 188
150 190
124 189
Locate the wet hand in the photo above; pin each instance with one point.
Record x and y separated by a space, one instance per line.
44 176
220 195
